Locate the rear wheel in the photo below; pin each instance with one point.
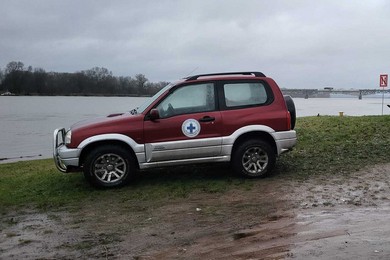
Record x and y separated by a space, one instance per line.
254 158
109 166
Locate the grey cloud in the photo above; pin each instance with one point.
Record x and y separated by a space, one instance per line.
299 43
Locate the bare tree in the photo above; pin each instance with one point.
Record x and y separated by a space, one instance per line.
2 75
14 66
140 81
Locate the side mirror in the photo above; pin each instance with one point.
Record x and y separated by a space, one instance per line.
154 114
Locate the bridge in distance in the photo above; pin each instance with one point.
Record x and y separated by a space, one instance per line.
326 93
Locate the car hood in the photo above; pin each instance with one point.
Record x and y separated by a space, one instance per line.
109 121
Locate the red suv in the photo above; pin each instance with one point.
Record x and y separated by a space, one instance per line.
237 117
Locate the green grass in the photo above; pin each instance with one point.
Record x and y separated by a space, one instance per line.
336 145
40 184
326 145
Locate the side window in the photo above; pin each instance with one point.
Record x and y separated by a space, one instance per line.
188 99
245 94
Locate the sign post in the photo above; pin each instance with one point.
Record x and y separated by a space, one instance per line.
383 84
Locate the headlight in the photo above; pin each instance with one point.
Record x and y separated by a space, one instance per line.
68 137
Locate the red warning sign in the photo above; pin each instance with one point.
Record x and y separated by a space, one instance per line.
383 80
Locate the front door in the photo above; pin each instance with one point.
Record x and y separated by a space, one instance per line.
189 125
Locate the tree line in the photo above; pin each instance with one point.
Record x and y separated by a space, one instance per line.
21 80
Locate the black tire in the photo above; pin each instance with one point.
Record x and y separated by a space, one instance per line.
109 166
291 108
254 158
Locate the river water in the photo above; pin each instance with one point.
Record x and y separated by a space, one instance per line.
27 123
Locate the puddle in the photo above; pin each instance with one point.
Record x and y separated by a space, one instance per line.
343 233
36 235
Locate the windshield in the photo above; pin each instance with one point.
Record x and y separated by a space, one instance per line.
147 103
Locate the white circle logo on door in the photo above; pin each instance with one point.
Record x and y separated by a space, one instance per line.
190 128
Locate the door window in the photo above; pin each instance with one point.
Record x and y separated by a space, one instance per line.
188 99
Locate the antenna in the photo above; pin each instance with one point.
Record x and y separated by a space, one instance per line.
192 71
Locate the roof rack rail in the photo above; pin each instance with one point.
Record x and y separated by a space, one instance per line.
254 73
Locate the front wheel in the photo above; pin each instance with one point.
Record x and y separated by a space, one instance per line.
254 158
109 166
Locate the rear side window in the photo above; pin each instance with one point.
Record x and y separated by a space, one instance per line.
245 94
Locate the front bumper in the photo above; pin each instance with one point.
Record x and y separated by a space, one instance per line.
65 159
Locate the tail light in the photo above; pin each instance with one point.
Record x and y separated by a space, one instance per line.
288 120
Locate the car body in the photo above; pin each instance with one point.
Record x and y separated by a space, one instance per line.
238 117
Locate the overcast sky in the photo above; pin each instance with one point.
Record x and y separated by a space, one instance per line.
301 44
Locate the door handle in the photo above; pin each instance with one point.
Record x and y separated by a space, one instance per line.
207 119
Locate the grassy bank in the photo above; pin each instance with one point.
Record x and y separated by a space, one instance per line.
327 145
337 145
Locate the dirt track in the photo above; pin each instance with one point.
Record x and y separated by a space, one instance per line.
278 218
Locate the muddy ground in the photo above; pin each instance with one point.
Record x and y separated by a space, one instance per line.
332 217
